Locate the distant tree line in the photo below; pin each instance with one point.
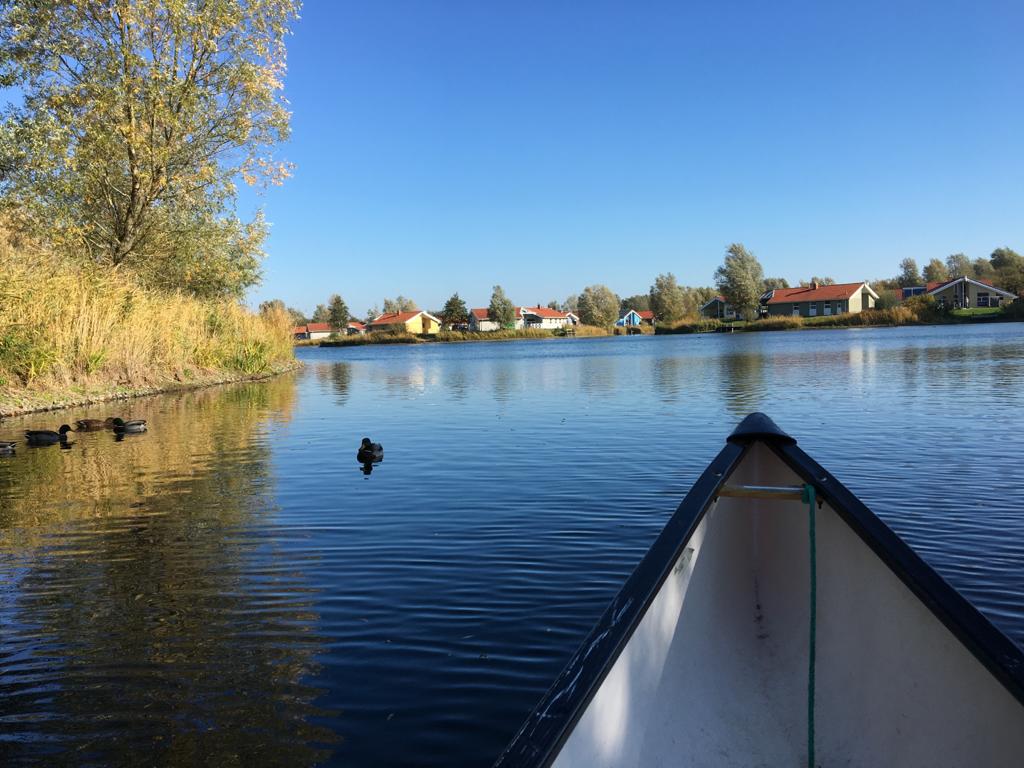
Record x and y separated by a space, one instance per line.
740 280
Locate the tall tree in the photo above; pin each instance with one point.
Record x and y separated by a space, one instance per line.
454 311
740 280
322 314
958 265
641 302
771 283
667 299
136 121
501 309
935 271
571 304
599 306
337 312
399 304
909 274
297 315
372 313
982 269
1009 269
553 304
818 280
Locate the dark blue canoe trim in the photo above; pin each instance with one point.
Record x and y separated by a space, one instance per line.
551 722
549 725
758 426
990 646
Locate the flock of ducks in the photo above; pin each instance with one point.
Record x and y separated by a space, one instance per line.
41 437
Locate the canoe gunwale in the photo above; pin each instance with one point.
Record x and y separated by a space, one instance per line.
549 725
539 740
1000 655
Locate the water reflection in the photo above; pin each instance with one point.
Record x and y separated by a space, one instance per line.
742 381
143 620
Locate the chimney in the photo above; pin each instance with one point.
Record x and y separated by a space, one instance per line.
815 286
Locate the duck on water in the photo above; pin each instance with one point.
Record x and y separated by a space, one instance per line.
47 436
369 453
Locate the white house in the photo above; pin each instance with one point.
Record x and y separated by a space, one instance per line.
479 320
313 331
540 317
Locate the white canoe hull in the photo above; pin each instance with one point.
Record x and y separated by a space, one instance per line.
711 667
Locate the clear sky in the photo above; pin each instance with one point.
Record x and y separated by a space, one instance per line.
545 146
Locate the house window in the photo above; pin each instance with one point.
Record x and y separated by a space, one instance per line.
828 308
813 309
796 310
983 298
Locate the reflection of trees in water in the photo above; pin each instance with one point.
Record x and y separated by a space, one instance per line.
337 377
741 382
150 620
674 376
456 383
599 375
504 381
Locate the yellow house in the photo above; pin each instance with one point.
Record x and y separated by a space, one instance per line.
416 322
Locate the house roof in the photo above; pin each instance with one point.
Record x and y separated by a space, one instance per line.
357 325
318 327
821 293
980 283
480 314
299 329
542 312
645 314
400 318
712 300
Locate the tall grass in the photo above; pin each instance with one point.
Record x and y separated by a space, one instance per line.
63 323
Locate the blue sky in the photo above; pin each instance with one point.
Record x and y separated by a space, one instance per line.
546 146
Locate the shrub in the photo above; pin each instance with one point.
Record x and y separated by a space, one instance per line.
1014 311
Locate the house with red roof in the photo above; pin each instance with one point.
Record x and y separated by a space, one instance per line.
541 317
719 308
816 300
480 320
636 317
354 328
313 331
416 322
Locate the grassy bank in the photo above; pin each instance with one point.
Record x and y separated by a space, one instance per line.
387 337
912 312
72 333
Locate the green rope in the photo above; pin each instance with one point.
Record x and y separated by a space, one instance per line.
808 499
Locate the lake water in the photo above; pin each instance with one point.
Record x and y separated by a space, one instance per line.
230 588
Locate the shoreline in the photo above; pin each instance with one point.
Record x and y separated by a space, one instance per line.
694 329
25 402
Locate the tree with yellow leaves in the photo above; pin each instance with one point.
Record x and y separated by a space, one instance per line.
137 118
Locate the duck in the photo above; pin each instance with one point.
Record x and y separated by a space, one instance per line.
370 452
91 425
133 425
47 436
7 447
